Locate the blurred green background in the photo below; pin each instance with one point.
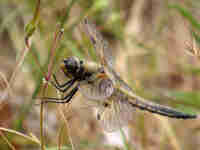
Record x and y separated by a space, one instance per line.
152 42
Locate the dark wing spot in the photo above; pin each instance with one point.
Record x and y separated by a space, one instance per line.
105 104
98 117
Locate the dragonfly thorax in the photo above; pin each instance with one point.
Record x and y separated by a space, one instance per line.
74 68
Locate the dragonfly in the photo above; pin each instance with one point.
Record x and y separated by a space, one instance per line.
100 83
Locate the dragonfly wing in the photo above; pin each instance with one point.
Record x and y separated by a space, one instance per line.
103 51
116 113
141 103
101 46
120 110
100 89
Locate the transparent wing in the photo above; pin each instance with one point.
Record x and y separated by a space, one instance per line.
100 45
115 113
141 103
101 88
120 110
104 53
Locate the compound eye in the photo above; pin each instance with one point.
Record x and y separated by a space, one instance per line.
70 63
65 61
81 62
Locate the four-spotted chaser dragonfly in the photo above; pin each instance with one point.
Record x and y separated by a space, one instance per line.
100 83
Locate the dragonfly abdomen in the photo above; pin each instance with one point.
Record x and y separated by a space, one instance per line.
161 110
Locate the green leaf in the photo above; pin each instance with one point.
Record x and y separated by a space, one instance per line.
189 99
187 14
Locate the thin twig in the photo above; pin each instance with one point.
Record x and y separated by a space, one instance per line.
68 127
7 141
8 89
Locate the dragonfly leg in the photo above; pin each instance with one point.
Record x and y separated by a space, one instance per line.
59 86
65 99
68 87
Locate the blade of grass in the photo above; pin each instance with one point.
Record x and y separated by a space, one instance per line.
185 13
126 147
32 25
3 96
165 124
61 148
7 141
187 98
68 127
65 17
29 32
34 140
41 127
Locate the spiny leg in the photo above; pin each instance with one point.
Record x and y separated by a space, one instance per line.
58 84
70 84
65 99
67 85
60 89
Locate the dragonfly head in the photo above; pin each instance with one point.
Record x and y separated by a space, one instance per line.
72 67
